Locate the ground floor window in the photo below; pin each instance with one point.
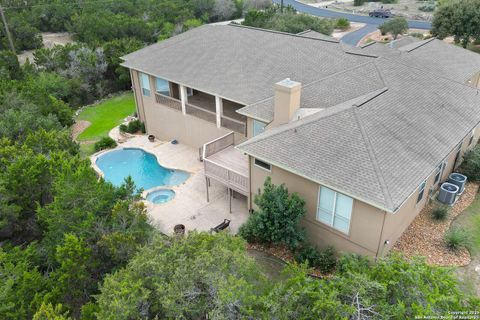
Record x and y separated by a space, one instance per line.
334 209
421 191
263 165
162 86
145 84
439 172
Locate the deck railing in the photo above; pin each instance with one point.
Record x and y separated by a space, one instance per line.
227 176
168 101
218 144
201 113
231 179
234 124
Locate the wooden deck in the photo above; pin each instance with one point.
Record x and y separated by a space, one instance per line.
227 165
232 159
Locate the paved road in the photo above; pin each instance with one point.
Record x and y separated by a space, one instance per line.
354 37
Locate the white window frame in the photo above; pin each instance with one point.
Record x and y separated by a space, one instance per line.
472 135
421 191
259 166
439 172
331 224
161 92
145 88
253 127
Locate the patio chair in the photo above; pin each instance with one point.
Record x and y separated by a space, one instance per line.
222 226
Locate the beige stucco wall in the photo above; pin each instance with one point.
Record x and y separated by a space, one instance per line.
370 227
166 123
366 221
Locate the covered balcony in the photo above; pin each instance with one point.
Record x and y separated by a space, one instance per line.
227 165
214 109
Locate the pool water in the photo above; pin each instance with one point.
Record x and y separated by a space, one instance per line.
161 196
142 166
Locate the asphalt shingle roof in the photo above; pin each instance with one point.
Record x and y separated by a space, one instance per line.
382 150
240 63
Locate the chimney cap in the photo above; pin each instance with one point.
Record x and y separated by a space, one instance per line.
288 83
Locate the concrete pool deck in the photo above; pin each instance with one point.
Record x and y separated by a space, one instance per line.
190 206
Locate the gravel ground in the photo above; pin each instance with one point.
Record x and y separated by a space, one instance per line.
425 237
78 127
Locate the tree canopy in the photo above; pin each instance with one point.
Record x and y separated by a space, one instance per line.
458 18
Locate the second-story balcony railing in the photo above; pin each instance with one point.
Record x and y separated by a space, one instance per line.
168 101
202 113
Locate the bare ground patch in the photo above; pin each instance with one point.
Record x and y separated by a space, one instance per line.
78 127
425 237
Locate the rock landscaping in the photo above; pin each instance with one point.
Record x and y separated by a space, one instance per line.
425 236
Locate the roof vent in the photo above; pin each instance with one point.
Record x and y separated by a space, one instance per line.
448 193
459 180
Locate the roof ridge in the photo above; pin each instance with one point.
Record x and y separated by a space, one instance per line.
325 113
282 33
416 45
371 154
429 71
322 79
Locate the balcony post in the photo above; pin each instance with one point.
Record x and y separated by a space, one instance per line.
183 98
219 110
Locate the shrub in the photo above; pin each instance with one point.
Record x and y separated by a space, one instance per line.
440 213
142 127
358 3
105 143
132 127
394 26
123 128
417 35
342 24
471 164
278 218
322 260
389 1
456 239
429 7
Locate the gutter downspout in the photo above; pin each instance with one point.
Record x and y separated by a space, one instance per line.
380 250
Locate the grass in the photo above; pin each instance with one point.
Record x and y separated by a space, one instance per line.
105 116
472 225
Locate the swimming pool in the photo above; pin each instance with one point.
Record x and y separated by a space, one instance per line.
142 166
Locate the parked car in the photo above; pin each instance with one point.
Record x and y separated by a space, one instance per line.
380 13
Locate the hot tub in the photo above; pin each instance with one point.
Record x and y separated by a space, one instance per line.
160 196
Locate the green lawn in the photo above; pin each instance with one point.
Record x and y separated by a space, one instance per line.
105 116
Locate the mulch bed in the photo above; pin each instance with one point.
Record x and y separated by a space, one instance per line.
425 236
282 253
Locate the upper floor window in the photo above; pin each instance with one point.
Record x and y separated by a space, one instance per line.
145 84
162 86
334 209
258 127
421 191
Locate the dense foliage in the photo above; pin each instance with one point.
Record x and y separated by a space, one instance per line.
395 26
105 143
178 285
287 21
458 18
200 277
277 219
471 164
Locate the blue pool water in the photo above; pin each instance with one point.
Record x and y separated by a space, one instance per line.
142 166
161 196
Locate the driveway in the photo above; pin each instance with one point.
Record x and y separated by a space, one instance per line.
354 37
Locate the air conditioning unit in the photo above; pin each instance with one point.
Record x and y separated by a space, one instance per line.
459 180
448 193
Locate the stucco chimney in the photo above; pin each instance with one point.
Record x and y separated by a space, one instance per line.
287 100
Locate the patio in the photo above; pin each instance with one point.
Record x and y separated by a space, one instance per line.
189 207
